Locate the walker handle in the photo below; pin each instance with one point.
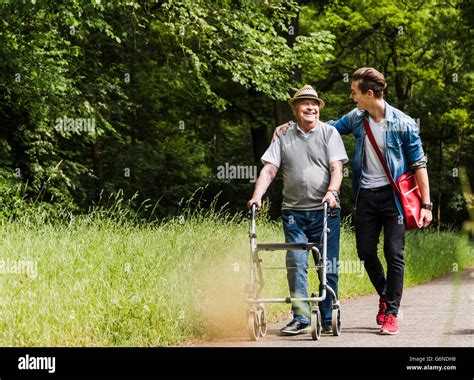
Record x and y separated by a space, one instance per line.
326 205
252 211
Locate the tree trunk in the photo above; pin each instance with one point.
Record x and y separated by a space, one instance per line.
398 82
217 138
441 171
259 142
438 214
282 112
399 88
97 166
96 158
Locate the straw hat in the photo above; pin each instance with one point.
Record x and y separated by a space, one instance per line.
306 92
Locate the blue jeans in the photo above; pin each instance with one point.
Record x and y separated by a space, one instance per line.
306 226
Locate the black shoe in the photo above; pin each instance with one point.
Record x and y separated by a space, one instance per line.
326 329
295 327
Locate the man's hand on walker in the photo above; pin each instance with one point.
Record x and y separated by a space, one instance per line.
258 201
280 130
331 199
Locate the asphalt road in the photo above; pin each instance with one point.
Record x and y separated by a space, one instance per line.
436 314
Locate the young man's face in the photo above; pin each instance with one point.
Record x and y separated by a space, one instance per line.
307 110
357 96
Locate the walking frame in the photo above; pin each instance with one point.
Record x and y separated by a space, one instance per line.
256 315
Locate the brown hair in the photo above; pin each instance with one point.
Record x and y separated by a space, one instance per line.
370 79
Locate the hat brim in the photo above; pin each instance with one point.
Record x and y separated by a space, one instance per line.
320 101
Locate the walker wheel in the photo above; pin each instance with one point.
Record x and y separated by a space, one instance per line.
253 325
263 321
336 321
315 324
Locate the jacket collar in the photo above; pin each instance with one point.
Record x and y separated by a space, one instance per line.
389 113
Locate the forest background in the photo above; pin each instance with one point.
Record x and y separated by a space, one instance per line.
152 100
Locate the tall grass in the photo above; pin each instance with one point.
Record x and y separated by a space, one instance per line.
106 281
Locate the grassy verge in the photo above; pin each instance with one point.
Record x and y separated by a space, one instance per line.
97 282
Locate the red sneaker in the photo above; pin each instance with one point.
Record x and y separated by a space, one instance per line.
381 314
390 326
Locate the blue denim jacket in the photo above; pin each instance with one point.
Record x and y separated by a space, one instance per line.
401 137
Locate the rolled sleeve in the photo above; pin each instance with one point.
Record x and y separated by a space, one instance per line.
336 149
273 154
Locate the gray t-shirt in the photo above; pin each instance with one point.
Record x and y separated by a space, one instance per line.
373 174
304 159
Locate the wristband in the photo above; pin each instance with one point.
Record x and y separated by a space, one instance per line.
427 206
335 193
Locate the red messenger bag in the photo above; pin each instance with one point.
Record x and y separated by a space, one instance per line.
406 187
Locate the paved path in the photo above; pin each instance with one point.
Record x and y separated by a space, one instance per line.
436 314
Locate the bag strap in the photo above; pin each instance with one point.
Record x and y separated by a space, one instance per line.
379 154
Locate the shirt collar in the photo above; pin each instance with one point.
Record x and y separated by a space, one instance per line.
310 131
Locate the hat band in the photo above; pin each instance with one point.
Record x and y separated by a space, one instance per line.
302 96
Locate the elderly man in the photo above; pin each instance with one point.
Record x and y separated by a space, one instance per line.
311 155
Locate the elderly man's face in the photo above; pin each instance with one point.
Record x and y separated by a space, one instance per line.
307 110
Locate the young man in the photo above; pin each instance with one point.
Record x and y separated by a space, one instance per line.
377 205
311 156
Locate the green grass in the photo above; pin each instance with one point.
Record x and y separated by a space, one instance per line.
105 282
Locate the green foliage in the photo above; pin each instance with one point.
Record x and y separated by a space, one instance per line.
17 202
152 77
12 202
175 88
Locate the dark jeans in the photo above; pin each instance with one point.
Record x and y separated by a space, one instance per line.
377 209
303 227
